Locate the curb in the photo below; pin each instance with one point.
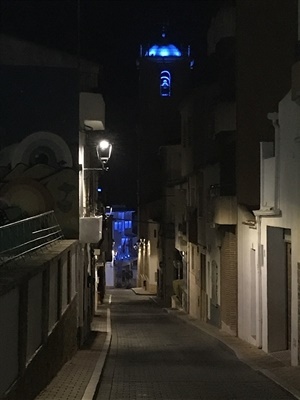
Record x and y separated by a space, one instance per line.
139 292
93 385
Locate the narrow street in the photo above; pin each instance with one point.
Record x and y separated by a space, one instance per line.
155 355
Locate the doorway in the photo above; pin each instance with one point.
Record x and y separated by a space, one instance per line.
278 289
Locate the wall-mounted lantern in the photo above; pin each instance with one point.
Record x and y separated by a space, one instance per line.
104 149
98 144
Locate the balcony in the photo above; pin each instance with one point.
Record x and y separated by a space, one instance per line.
90 229
22 238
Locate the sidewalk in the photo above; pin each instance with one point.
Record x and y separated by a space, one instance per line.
79 377
273 365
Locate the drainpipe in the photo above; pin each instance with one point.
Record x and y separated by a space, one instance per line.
259 265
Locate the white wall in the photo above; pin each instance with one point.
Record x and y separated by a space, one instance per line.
288 167
109 274
289 182
193 280
248 275
153 255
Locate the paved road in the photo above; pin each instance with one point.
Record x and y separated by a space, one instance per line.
155 355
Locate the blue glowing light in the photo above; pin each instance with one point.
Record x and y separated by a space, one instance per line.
165 83
99 189
163 51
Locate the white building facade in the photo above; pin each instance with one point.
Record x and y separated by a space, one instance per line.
269 276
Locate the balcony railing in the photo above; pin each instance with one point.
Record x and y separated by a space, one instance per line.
21 238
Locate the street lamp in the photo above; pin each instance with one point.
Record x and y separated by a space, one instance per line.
95 151
104 149
99 151
100 147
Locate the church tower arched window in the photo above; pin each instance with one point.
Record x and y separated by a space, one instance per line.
165 83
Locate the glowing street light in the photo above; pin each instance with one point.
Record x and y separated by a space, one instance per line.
104 149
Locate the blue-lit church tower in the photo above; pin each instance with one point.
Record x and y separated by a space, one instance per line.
164 80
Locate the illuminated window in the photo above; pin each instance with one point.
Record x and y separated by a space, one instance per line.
165 83
118 226
128 224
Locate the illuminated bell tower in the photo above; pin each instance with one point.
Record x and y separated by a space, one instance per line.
164 80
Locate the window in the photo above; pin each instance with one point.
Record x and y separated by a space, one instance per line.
165 83
118 226
128 224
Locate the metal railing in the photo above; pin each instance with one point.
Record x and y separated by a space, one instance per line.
21 238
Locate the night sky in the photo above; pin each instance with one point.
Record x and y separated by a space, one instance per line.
110 32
